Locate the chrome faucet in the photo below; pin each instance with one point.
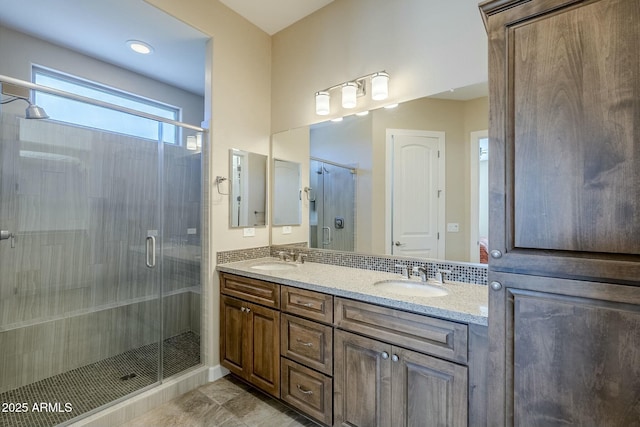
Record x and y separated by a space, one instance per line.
405 270
422 272
283 256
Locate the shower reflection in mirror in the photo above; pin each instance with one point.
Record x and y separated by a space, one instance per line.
248 189
332 213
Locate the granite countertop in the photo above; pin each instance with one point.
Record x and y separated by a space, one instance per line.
465 302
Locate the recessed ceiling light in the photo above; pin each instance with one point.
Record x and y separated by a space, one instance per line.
362 113
389 107
140 47
337 119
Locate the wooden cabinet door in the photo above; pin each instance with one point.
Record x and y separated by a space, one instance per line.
564 152
264 353
427 391
567 353
362 381
233 327
250 343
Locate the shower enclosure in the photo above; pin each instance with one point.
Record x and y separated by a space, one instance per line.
332 207
99 263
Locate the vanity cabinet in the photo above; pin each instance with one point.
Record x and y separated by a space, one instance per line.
250 333
350 363
307 352
564 208
378 381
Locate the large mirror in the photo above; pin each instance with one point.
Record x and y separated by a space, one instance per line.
247 189
404 181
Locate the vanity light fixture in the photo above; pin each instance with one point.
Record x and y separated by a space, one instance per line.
380 86
351 90
349 94
323 103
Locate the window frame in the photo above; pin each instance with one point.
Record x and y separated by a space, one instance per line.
82 83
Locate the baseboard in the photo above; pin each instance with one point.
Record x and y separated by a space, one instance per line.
217 372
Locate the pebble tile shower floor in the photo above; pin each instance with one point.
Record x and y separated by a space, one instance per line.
94 385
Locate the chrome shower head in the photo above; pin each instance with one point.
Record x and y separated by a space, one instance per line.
35 112
32 111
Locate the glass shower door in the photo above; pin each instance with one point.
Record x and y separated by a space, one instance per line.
80 308
332 209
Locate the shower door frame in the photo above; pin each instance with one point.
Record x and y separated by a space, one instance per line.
160 216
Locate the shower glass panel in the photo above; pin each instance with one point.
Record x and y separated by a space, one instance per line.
332 206
100 273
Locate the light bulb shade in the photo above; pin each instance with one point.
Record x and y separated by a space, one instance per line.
379 86
192 143
322 103
349 93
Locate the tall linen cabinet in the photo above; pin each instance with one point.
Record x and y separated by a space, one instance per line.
564 237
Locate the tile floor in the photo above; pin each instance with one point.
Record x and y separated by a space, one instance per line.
100 383
227 402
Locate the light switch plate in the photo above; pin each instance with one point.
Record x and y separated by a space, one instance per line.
453 227
249 232
286 229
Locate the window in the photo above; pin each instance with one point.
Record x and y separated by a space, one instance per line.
93 116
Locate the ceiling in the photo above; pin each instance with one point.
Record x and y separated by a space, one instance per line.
100 29
274 15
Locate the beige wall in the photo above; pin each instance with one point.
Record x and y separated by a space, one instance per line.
239 98
427 46
261 85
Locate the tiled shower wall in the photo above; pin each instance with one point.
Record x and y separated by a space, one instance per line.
75 289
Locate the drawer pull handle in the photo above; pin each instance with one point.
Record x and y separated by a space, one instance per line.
305 304
306 344
303 391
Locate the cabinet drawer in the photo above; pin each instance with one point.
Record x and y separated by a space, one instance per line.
257 291
310 304
307 342
422 333
308 390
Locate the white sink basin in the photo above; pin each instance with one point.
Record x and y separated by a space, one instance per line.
410 288
274 266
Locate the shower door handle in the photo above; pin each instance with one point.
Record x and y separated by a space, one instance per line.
151 251
328 234
7 235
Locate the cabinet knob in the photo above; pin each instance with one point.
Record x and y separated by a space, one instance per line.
395 358
496 286
247 309
242 309
495 254
384 355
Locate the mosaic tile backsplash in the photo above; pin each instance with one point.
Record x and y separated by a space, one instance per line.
460 271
